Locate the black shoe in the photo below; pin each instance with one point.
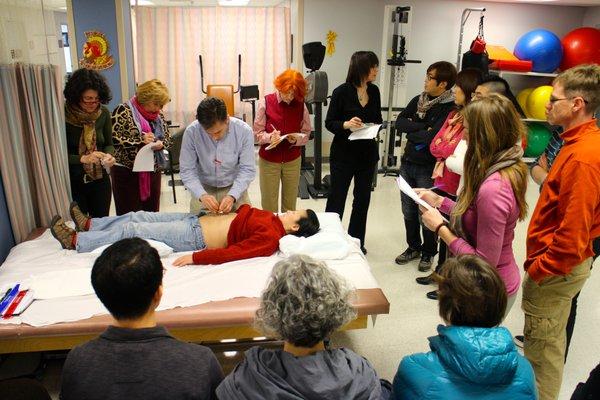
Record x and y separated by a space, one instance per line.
433 295
408 255
425 280
364 250
425 263
519 340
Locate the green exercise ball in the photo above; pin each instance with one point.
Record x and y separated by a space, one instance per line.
538 136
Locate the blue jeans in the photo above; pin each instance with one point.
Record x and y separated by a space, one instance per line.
181 231
417 176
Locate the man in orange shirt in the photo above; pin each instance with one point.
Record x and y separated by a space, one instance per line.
565 220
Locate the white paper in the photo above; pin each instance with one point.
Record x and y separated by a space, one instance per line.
281 138
144 160
368 131
410 192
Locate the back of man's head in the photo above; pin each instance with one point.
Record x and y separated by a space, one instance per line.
496 84
444 72
582 80
126 277
210 111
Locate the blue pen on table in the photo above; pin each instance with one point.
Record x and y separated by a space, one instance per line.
7 300
6 294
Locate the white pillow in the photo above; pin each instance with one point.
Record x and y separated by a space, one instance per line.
324 245
163 249
330 222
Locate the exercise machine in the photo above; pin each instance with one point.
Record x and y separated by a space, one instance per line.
396 61
226 92
316 95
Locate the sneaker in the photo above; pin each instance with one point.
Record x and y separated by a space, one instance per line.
519 340
433 295
425 263
408 255
62 233
425 280
81 220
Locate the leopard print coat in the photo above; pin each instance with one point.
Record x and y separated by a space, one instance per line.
127 139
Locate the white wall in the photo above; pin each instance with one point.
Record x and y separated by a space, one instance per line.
28 34
434 33
592 17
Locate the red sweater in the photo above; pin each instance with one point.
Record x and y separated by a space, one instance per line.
442 146
287 118
253 233
567 215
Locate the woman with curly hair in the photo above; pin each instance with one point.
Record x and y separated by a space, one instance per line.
279 114
304 303
89 141
136 123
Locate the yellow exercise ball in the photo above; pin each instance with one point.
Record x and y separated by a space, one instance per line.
522 100
537 100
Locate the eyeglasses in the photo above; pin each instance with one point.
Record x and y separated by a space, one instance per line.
553 99
431 78
90 100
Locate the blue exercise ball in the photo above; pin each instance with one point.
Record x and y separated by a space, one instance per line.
541 47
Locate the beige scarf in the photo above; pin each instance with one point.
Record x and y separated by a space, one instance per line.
87 142
502 160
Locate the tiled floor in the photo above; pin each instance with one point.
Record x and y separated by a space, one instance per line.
412 317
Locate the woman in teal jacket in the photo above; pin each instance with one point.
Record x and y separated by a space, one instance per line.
472 357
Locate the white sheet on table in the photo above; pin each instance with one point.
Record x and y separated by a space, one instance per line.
186 286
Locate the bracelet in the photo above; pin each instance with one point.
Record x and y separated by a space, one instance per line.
437 229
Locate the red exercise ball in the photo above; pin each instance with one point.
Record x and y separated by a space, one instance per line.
581 46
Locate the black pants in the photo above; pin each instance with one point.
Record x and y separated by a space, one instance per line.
126 191
417 176
93 197
443 247
573 313
342 174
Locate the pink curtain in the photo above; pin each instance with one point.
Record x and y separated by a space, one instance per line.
33 150
168 40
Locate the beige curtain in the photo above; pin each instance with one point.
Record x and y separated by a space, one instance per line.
168 40
33 148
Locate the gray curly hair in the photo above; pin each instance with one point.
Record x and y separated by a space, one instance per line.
304 302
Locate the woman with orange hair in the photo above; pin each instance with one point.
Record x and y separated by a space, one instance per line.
281 127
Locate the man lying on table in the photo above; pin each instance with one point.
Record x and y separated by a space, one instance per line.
218 238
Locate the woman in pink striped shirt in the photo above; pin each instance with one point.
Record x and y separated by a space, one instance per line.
442 146
483 220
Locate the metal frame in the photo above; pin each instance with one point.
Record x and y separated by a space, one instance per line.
463 20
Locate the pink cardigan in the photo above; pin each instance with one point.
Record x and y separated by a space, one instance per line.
489 225
442 146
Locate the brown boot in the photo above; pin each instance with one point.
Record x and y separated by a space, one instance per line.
63 233
82 221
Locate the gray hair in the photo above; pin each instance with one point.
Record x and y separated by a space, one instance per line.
304 302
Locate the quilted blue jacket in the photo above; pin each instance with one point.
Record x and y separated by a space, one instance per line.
466 363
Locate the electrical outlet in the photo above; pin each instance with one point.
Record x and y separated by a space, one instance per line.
15 54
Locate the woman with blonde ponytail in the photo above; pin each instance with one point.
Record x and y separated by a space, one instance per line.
483 219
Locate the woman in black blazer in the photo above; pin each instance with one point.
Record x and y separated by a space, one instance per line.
353 104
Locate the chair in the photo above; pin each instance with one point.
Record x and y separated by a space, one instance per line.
225 93
173 153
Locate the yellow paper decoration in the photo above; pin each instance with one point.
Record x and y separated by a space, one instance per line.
331 37
95 52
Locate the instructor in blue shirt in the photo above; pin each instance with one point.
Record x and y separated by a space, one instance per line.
217 159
